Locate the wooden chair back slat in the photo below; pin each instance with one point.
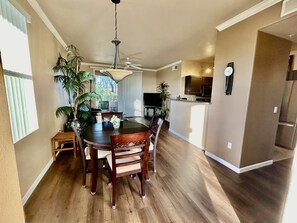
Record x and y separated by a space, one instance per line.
129 155
128 143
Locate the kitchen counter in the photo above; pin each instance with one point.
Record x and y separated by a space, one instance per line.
188 120
190 101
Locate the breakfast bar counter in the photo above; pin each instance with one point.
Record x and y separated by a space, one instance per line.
188 120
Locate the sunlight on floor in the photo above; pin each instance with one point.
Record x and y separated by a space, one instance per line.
220 201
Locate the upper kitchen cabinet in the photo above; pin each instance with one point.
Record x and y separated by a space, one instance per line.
199 86
193 85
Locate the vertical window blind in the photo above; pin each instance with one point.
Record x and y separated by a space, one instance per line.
16 61
130 95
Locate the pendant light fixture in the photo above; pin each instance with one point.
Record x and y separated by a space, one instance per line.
115 72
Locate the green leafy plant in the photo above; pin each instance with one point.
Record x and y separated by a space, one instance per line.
67 72
163 89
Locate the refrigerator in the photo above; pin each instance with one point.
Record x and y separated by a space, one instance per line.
286 131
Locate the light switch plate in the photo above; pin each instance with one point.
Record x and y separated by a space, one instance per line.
275 109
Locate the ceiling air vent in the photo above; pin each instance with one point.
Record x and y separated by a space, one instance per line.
175 67
288 7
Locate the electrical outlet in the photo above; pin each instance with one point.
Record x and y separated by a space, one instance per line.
275 110
229 145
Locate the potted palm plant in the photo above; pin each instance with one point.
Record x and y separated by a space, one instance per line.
73 80
162 88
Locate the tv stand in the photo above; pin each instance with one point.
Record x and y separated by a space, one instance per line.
147 109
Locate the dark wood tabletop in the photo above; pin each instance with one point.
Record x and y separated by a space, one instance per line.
97 136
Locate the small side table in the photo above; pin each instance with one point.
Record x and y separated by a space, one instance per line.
62 138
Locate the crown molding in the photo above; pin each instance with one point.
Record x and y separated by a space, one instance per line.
34 4
247 13
284 12
169 65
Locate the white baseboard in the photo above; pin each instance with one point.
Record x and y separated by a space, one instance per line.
178 134
184 138
236 169
36 182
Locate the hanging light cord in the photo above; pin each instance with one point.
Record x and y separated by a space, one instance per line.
115 21
115 41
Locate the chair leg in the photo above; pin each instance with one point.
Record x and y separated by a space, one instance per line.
109 176
84 172
142 181
84 178
154 157
145 172
114 188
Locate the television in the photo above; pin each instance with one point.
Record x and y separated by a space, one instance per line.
152 99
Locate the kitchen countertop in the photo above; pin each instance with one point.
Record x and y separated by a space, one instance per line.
191 101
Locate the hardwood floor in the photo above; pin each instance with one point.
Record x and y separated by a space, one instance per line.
188 187
282 154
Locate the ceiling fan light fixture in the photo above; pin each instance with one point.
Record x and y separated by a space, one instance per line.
118 74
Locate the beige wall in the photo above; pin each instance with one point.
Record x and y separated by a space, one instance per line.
34 151
267 87
10 198
173 78
227 114
149 81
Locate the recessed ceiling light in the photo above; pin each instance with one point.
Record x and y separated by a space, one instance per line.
292 35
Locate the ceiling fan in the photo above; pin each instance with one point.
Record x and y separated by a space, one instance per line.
130 65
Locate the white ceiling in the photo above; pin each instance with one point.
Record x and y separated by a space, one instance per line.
154 33
286 29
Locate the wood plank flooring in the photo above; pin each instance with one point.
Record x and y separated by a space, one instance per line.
188 187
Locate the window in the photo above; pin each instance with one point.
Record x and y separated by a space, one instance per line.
15 55
108 91
106 88
125 96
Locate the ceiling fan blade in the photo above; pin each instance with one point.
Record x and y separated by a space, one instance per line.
135 67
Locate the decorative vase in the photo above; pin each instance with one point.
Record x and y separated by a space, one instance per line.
116 125
115 122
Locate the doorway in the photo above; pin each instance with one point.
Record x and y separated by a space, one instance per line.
286 135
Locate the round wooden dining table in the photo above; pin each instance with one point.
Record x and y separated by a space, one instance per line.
97 137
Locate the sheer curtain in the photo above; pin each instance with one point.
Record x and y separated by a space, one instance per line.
130 99
14 48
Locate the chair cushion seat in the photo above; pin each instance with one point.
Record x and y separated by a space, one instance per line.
128 168
151 148
101 153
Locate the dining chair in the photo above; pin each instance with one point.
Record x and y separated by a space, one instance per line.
154 127
153 121
129 155
85 153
